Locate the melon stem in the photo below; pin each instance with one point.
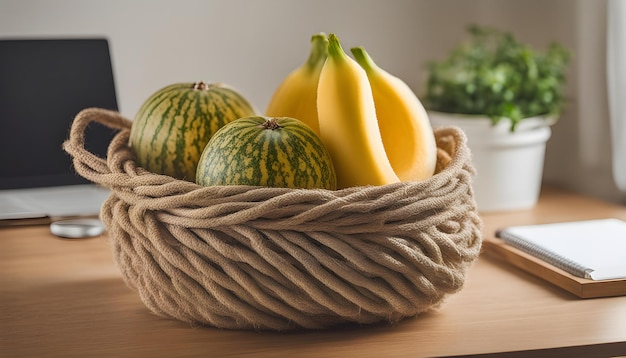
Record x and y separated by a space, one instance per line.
271 123
201 86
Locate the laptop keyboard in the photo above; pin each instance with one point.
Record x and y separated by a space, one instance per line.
14 208
57 202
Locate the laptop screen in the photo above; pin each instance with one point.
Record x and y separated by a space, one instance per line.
43 85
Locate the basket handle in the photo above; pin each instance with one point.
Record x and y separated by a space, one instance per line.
86 163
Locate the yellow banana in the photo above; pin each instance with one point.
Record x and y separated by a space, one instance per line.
404 124
348 124
296 96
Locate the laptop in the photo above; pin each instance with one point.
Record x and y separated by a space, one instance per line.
44 83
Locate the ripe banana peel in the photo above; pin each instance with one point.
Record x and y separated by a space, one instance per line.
296 96
404 125
348 124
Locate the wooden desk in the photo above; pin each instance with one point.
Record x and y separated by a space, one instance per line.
66 298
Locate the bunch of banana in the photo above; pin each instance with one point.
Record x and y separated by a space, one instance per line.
296 96
374 127
348 124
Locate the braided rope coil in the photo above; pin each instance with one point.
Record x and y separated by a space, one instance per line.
242 257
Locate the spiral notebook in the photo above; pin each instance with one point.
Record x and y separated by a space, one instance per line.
591 249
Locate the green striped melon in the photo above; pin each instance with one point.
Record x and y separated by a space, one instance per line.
174 125
266 151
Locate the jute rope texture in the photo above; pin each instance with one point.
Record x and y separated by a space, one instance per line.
242 257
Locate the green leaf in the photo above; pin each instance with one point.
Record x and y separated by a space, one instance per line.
495 75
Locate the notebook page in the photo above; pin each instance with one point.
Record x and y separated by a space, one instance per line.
599 245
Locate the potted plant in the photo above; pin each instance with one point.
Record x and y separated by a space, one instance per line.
505 95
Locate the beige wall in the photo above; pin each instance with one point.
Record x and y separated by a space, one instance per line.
253 44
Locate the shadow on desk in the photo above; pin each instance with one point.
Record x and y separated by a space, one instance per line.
68 318
527 277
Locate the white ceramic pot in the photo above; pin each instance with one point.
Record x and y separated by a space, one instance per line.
509 165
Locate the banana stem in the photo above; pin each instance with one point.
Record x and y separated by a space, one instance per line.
334 47
319 51
363 58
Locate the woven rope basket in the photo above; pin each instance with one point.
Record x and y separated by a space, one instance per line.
241 257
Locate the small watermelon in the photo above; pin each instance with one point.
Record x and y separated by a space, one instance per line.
266 151
174 125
